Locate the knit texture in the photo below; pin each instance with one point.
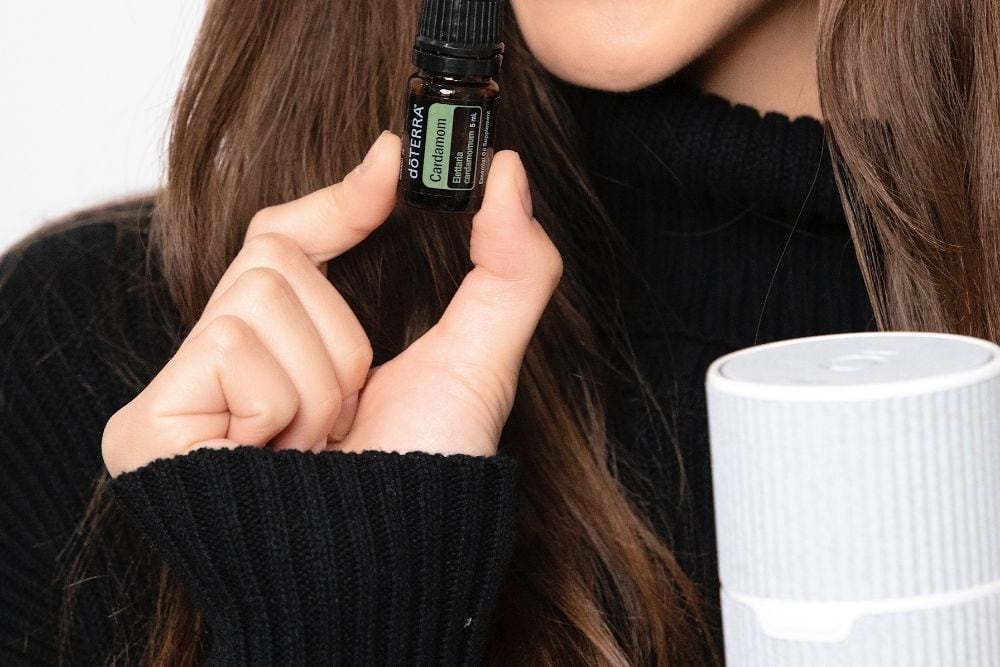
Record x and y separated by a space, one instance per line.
294 558
735 236
299 558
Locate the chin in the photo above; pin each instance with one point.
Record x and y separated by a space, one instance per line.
616 77
624 45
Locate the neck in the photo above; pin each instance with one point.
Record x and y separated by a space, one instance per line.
768 63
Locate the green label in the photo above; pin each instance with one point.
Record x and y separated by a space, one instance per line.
451 152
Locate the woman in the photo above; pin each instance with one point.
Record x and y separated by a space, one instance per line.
502 460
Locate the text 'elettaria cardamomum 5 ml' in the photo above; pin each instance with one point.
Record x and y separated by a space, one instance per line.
452 103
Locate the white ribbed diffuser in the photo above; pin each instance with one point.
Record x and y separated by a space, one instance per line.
857 500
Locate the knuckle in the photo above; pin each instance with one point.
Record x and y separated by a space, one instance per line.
323 413
228 334
329 405
554 266
262 220
337 202
357 363
286 407
341 204
264 283
550 262
277 409
271 248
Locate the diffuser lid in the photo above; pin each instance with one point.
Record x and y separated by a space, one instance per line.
841 367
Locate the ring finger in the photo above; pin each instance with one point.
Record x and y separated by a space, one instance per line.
265 300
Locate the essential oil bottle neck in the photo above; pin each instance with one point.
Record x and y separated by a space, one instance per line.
468 79
443 64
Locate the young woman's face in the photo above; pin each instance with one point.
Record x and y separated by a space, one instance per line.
625 44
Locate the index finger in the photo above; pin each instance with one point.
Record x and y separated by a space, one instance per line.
330 221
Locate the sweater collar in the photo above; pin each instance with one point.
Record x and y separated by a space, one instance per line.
674 140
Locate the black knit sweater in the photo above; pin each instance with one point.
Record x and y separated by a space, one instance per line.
737 238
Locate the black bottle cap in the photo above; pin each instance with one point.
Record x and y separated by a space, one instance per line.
460 29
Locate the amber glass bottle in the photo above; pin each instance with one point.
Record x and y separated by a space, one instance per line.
450 119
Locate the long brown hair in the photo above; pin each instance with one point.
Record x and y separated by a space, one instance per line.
258 122
910 96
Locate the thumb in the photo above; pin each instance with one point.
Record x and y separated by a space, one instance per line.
496 309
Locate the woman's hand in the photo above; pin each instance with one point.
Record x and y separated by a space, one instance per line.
279 358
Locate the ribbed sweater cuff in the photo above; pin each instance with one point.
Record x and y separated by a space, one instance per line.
361 558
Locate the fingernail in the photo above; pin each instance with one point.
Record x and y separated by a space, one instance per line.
342 425
370 155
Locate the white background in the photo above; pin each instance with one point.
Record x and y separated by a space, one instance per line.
85 93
